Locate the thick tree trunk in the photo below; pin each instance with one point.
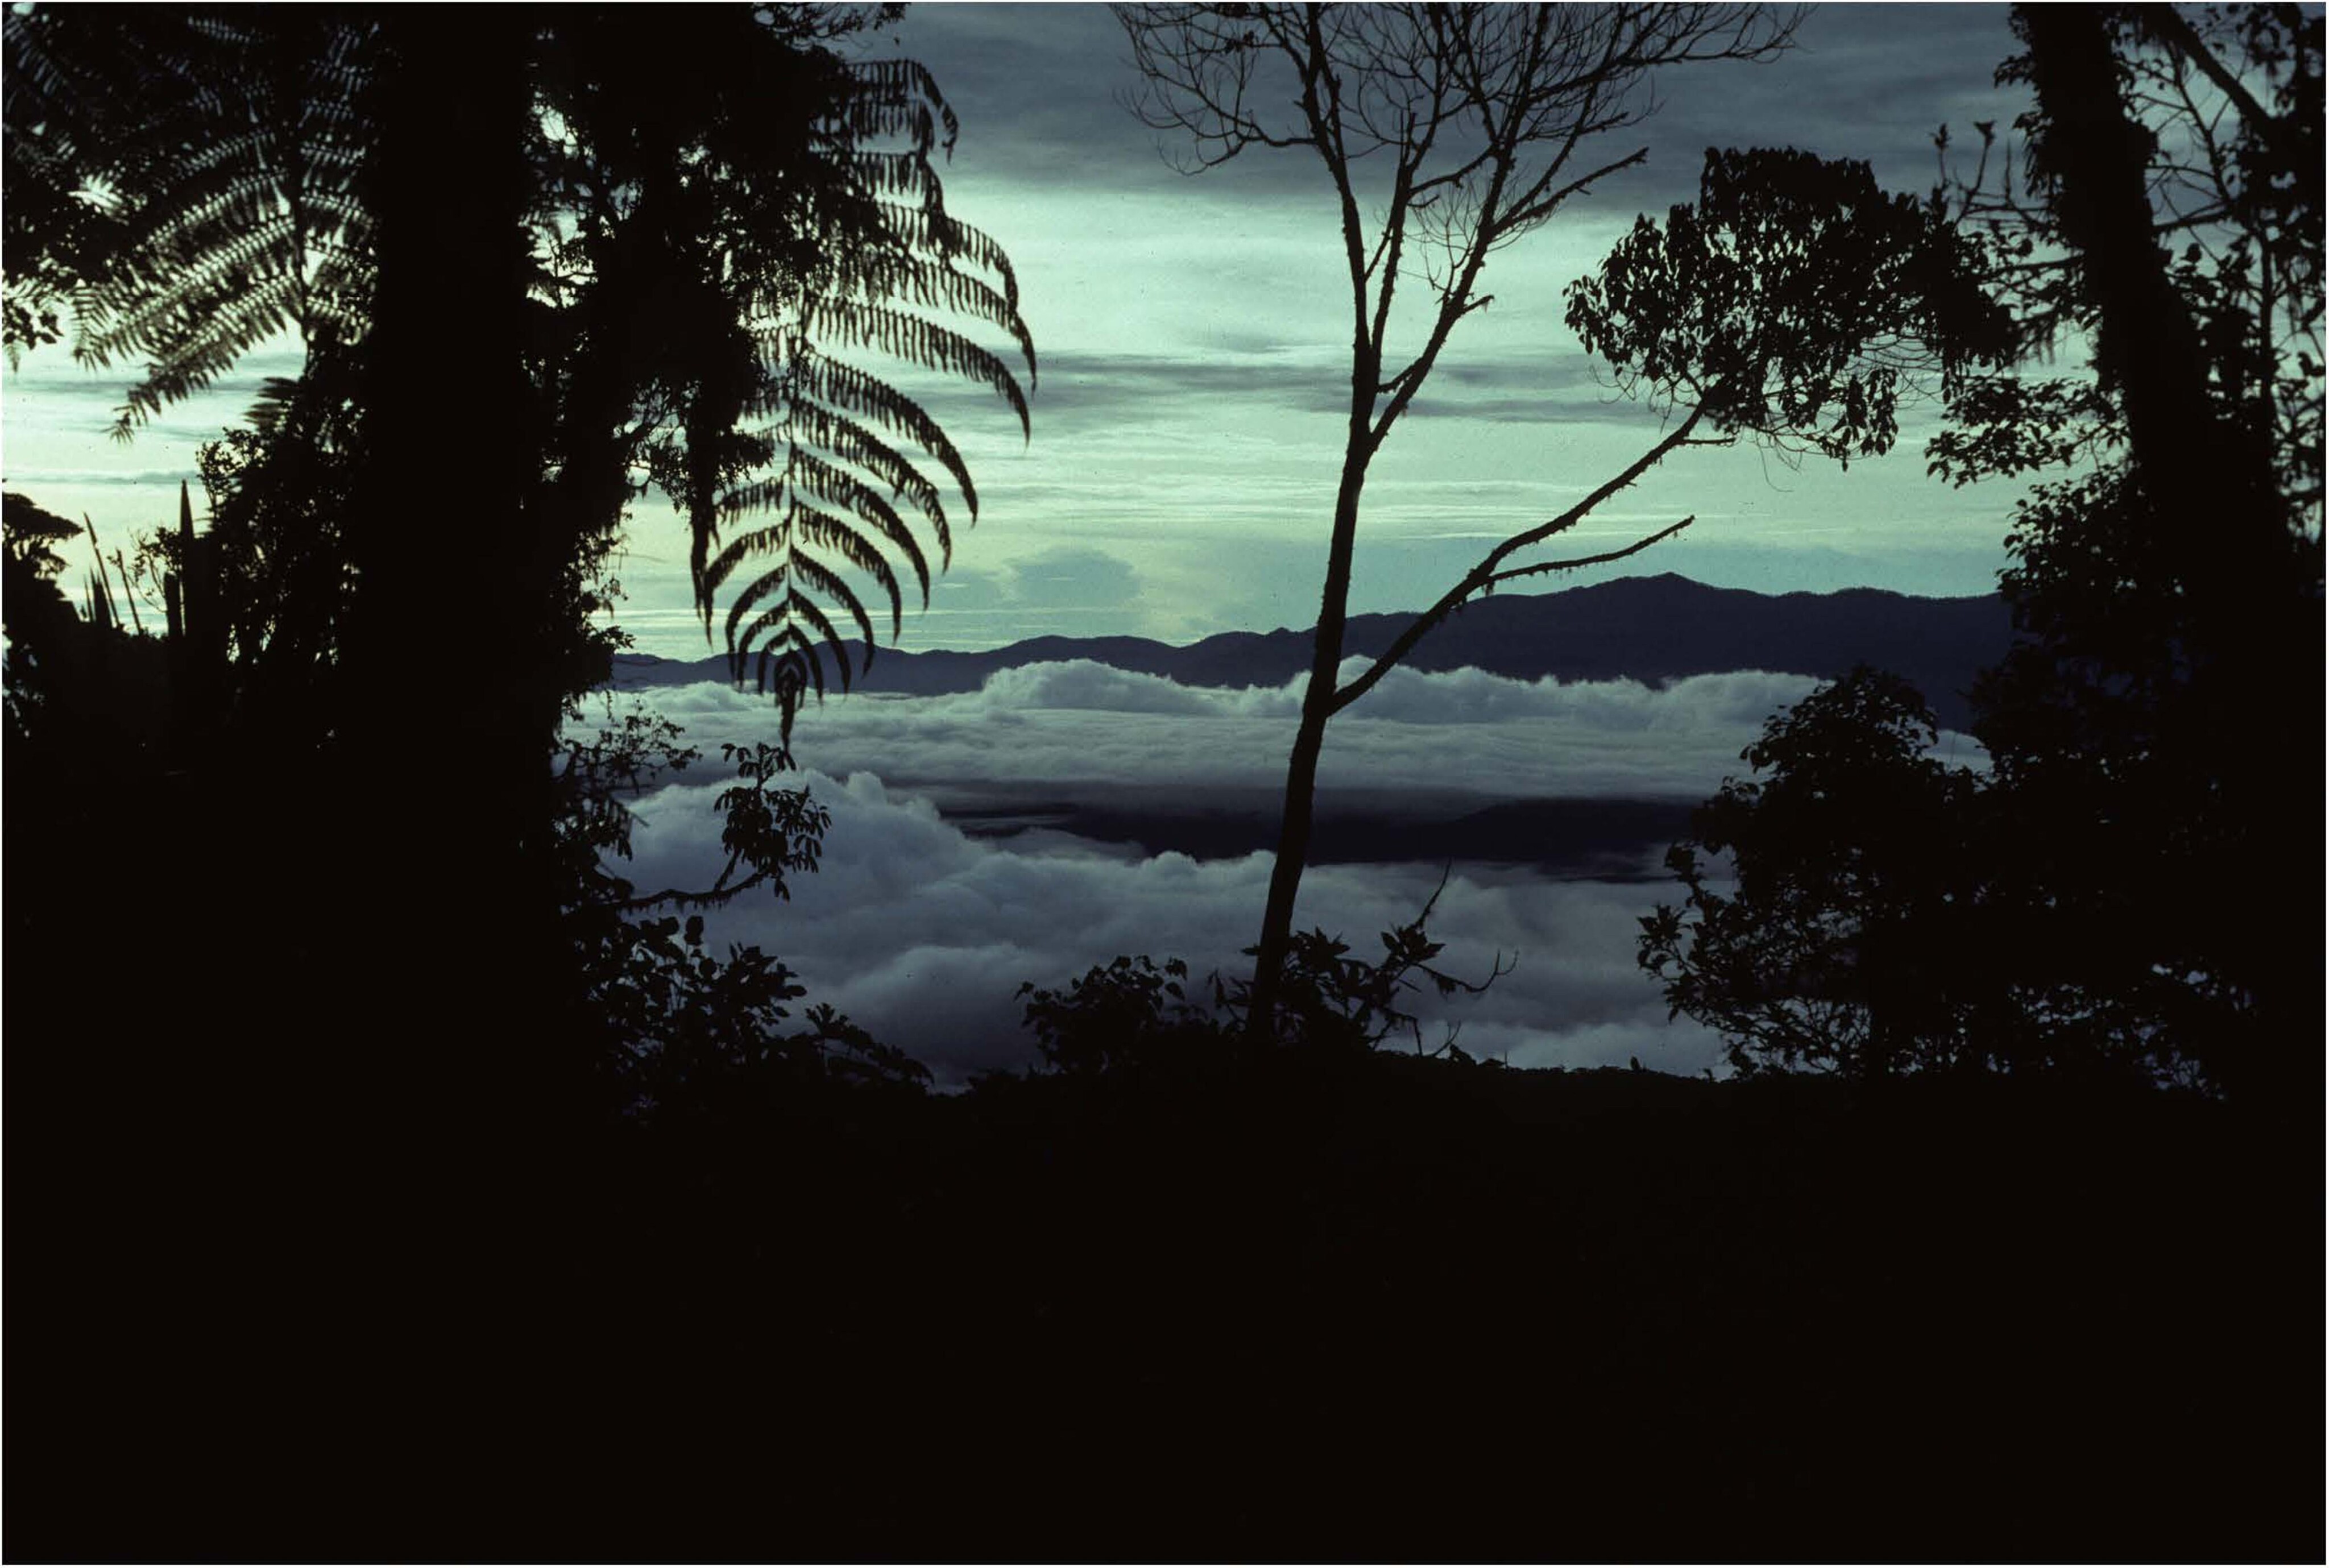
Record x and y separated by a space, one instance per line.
2250 629
450 975
447 729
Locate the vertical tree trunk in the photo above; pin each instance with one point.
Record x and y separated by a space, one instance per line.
448 967
2250 630
437 663
1309 738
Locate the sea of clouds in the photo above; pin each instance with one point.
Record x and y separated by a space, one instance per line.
922 931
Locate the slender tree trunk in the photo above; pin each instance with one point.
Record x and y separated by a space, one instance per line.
1309 739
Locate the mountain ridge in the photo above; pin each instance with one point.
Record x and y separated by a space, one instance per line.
1652 629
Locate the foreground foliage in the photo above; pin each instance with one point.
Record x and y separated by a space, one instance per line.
2114 894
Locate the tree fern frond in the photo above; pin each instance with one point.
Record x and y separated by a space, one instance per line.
795 668
782 625
898 179
856 252
936 285
921 341
921 231
776 581
816 575
759 540
820 530
201 357
814 475
820 429
127 314
900 97
851 391
231 143
799 607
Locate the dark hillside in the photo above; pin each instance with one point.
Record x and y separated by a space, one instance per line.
1401 1310
1383 1310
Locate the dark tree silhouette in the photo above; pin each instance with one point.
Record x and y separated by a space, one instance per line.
45 636
2168 594
2198 658
1828 943
681 282
1472 121
356 883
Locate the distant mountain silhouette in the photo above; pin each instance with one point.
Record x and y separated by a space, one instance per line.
1654 630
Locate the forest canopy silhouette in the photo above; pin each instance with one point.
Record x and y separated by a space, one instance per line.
371 1210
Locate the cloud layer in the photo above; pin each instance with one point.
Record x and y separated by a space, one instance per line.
1080 727
923 932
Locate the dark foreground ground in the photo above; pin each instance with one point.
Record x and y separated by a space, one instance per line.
1376 1309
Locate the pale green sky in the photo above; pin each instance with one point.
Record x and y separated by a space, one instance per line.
1193 333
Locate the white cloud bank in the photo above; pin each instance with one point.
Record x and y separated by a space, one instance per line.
923 934
1045 728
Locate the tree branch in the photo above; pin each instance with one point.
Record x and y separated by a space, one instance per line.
1537 210
2179 35
1635 548
1486 574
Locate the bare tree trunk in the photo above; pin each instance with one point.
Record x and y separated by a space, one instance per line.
1506 94
1309 740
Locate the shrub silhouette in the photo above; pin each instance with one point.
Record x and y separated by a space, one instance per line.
1133 1012
1842 947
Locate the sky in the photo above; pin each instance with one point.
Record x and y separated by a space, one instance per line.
1192 337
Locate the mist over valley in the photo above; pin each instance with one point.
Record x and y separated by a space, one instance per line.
1024 814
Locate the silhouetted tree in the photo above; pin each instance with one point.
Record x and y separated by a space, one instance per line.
359 896
1842 912
2168 592
640 279
40 624
2191 666
1472 121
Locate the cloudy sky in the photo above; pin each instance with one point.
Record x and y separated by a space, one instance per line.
1193 335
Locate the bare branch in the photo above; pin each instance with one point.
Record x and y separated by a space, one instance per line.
1488 573
2178 35
1537 569
1481 108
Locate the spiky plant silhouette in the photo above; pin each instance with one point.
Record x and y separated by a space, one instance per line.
739 278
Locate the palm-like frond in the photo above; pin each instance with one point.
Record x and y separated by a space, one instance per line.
849 488
850 397
718 266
